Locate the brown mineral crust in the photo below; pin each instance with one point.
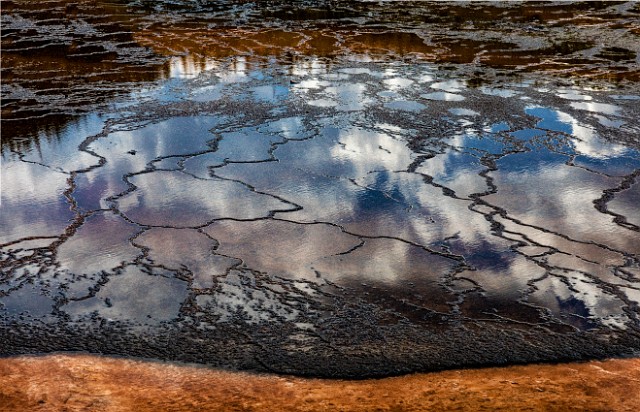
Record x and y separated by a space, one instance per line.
89 383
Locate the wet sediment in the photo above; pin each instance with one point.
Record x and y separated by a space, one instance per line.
375 203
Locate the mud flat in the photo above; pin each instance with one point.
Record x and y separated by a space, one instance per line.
89 383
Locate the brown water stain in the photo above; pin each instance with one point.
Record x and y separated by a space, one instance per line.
91 52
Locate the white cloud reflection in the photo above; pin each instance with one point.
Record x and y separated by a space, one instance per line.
346 172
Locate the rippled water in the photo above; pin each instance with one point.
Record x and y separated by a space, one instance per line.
350 215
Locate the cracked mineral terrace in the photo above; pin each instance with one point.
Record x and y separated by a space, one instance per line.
338 190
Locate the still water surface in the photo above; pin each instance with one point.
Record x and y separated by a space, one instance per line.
336 217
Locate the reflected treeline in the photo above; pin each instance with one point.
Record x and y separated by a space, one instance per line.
61 58
20 136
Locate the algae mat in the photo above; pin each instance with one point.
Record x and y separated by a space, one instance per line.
78 382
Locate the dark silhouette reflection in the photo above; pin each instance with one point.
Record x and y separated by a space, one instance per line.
62 58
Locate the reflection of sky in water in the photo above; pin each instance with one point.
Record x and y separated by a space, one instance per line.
585 141
27 191
330 191
406 105
134 296
101 243
157 203
183 68
60 150
446 96
458 111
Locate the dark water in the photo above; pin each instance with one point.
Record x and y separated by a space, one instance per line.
219 183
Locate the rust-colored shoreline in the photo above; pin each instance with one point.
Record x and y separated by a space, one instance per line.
93 383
